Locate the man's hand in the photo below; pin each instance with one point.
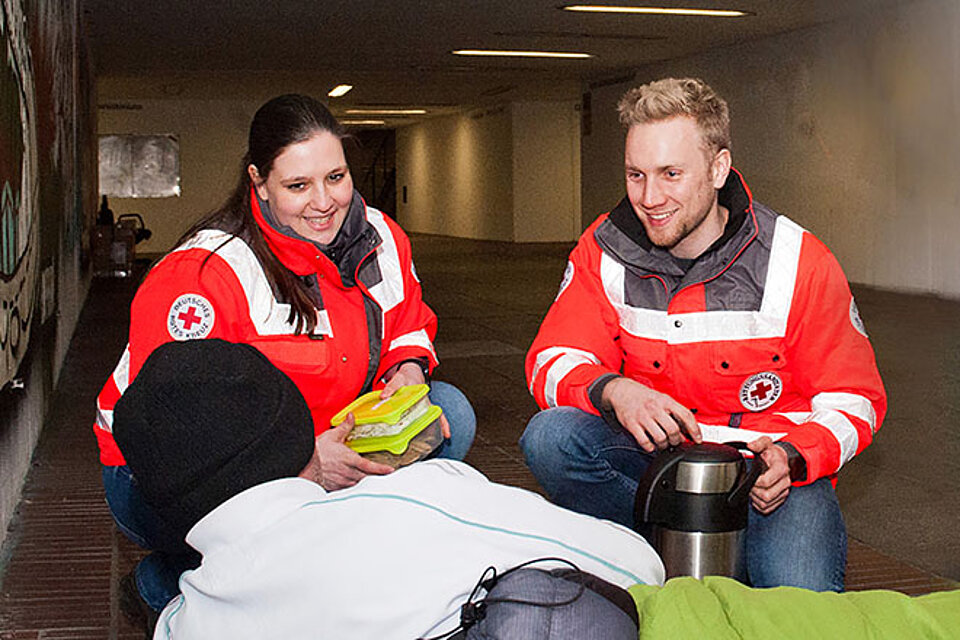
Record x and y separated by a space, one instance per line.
655 420
341 466
771 488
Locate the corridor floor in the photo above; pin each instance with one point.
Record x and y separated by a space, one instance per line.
62 556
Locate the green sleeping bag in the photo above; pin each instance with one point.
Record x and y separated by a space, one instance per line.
722 608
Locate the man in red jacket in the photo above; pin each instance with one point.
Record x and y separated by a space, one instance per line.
690 304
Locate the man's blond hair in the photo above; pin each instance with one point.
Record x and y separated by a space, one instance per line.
671 97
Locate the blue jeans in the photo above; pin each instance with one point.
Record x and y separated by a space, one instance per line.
460 415
586 465
158 574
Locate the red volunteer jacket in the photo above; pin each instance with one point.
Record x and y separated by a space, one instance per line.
207 288
762 332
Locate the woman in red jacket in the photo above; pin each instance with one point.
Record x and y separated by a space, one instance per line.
295 264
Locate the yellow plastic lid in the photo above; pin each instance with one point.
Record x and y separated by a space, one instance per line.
370 408
397 443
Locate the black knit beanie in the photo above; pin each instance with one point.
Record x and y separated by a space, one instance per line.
206 419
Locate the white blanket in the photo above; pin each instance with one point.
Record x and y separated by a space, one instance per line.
392 557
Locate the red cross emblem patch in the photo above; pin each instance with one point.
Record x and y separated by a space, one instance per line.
760 391
191 317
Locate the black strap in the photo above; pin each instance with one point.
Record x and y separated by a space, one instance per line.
471 612
616 595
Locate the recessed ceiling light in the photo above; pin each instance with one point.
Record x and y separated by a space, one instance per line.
386 112
663 11
340 90
353 123
520 54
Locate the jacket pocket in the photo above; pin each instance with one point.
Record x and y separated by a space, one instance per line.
647 358
750 376
296 355
745 358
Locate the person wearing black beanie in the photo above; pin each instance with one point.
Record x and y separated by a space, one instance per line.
205 420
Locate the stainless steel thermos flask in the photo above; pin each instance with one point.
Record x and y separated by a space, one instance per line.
692 505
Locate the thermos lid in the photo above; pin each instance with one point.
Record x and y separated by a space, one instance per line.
708 468
711 452
695 488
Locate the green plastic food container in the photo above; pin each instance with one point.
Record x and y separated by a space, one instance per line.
396 431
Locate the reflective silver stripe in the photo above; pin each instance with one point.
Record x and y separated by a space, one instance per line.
837 424
704 326
323 328
842 429
121 379
559 368
612 274
104 418
549 353
850 403
121 374
268 315
781 277
389 291
644 323
417 338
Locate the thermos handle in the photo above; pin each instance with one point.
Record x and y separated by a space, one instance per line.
644 507
756 470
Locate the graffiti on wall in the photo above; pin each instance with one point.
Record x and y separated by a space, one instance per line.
18 191
51 31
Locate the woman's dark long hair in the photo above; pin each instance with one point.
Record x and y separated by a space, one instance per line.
282 121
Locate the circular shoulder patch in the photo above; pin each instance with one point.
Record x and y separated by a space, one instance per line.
760 391
191 316
567 279
855 318
413 272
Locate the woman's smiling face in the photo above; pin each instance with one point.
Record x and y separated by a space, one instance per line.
309 187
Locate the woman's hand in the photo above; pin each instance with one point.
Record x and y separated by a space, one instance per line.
341 466
406 374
